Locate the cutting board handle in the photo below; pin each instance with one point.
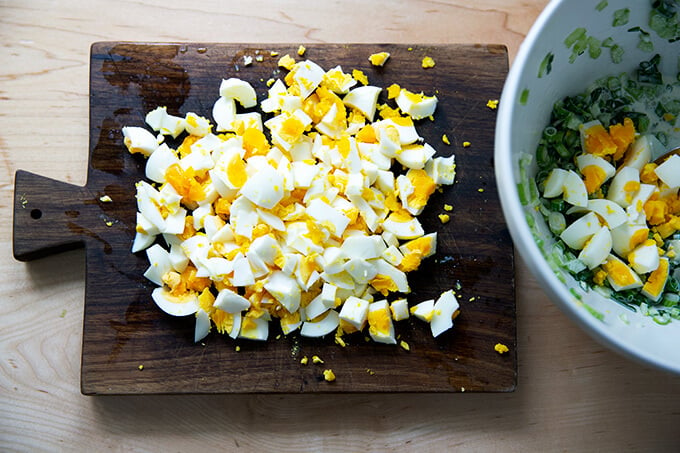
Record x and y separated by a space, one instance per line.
46 216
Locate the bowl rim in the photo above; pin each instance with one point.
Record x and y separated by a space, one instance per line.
517 225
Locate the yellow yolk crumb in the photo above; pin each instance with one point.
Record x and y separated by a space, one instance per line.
301 50
404 345
359 76
328 375
140 367
444 218
379 59
428 62
500 348
286 62
237 349
448 207
393 91
105 199
466 144
316 359
304 360
446 140
492 104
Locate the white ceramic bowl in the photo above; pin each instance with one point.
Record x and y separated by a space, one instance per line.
519 128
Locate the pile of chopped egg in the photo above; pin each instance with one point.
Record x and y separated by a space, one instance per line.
291 214
626 206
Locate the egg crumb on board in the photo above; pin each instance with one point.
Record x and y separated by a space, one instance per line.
466 144
316 359
140 367
446 140
428 62
501 348
301 50
448 208
492 104
294 213
328 375
379 59
444 218
105 199
304 360
404 345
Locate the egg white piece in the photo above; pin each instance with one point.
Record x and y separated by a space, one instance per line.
410 229
343 82
285 289
142 241
307 75
640 153
240 90
424 310
317 307
243 272
415 156
417 106
327 216
363 247
644 258
380 326
636 209
322 327
673 250
184 305
362 271
166 124
574 189
264 188
406 129
627 236
159 264
612 213
202 328
580 231
224 114
554 183
443 310
157 164
364 99
197 125
398 277
669 171
355 311
399 309
139 140
231 302
442 170
597 249
624 186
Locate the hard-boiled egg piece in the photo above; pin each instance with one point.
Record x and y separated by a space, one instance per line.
415 156
139 140
669 171
574 189
285 289
181 305
355 311
231 302
612 214
403 226
240 90
379 58
202 328
264 188
307 76
327 216
577 234
364 99
554 183
161 121
159 264
337 81
380 326
224 113
254 328
619 275
399 309
595 170
639 153
627 236
417 106
389 278
321 327
656 281
443 312
424 310
158 163
645 257
197 125
442 170
624 186
597 248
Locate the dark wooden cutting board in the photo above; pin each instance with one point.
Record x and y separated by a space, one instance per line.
123 328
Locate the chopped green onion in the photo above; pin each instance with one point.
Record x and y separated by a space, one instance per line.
546 65
602 5
621 17
524 96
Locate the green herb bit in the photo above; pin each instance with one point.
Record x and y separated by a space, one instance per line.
593 312
546 65
576 35
648 71
644 39
602 5
621 17
524 96
594 47
663 20
616 53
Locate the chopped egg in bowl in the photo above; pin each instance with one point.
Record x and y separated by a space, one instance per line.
294 209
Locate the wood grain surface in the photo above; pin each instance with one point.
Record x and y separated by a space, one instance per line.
572 394
123 328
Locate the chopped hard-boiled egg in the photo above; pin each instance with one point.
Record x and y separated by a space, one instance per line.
302 218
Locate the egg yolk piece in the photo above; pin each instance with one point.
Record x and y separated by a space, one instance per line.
185 183
423 187
593 177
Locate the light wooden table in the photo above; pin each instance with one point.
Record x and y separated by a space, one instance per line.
572 394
